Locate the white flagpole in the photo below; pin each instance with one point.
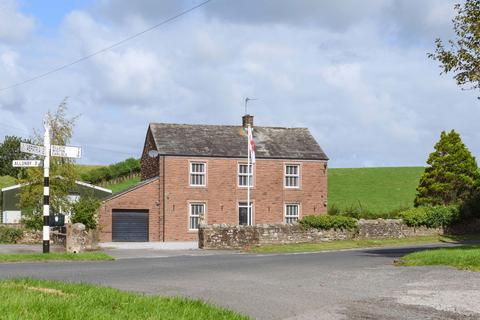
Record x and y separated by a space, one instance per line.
248 177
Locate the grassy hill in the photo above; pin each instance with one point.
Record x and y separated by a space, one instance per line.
378 190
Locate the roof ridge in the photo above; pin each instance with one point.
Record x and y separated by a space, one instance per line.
222 125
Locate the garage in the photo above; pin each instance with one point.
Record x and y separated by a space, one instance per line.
130 225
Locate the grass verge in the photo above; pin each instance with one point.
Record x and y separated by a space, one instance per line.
39 299
54 256
465 258
353 244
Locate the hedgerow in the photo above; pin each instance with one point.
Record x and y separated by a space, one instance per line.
326 222
431 217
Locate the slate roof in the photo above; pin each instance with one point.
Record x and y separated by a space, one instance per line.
230 141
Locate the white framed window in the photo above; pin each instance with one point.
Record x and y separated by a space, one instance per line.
196 210
198 172
292 212
292 176
245 213
244 173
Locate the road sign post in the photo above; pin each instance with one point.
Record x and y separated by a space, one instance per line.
46 151
46 187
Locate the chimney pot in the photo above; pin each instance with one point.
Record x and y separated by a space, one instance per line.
247 120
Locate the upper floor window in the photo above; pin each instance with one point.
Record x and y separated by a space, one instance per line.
197 173
244 174
292 176
197 210
292 211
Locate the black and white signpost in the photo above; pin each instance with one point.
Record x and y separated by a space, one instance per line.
46 151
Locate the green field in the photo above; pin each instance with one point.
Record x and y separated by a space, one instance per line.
84 168
376 189
118 187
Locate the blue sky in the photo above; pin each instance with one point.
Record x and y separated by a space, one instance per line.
355 73
50 13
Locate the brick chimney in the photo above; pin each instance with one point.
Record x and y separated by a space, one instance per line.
247 120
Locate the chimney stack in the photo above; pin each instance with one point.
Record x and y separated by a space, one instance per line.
247 120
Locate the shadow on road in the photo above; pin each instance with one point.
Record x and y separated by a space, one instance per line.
401 251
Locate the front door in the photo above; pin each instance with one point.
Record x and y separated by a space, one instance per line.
244 218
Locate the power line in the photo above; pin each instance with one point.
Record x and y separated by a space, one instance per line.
106 48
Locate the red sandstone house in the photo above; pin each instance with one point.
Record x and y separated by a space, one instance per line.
194 173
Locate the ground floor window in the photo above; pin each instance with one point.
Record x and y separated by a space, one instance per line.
245 214
196 211
292 211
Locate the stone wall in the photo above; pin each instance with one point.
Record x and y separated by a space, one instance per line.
224 236
79 239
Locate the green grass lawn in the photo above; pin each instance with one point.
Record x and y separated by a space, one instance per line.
379 190
348 244
38 299
54 256
465 258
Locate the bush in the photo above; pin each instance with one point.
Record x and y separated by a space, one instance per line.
85 211
415 217
431 217
326 222
442 216
10 235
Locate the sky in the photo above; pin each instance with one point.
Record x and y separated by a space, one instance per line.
355 73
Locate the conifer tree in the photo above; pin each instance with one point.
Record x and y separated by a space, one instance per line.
451 176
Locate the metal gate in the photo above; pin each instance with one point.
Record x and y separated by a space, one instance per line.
130 225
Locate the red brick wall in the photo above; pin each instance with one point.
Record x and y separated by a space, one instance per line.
222 194
145 197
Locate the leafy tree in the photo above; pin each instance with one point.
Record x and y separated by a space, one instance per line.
452 174
63 173
462 55
85 211
9 151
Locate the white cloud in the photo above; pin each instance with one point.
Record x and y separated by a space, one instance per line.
14 25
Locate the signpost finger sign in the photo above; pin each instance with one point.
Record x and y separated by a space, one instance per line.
26 163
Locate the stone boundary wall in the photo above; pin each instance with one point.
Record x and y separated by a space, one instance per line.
240 237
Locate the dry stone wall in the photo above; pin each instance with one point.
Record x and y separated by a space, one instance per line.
223 236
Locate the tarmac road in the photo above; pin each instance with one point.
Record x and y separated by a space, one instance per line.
358 284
